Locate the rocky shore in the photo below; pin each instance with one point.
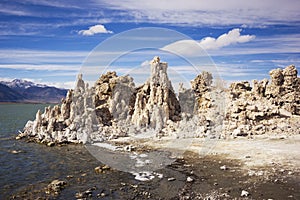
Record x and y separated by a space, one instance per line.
114 107
188 177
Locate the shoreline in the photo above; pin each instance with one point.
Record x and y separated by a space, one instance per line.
260 151
222 173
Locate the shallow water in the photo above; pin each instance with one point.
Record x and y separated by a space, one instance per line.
18 169
27 168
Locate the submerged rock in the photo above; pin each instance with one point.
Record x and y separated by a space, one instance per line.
55 186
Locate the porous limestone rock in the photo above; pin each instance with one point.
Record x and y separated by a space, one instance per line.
254 111
114 108
290 75
156 102
203 108
277 77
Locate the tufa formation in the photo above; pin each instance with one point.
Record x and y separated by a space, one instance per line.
114 107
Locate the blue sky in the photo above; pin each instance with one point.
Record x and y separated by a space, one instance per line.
49 41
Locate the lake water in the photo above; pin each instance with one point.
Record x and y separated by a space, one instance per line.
35 165
27 168
26 174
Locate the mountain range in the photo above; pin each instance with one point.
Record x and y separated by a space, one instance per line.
26 91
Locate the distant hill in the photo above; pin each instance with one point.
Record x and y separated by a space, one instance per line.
26 91
9 95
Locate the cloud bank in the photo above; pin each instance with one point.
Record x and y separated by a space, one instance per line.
96 29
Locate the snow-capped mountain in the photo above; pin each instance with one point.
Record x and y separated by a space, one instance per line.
19 83
27 91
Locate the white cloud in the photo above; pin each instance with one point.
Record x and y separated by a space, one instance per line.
8 11
232 37
5 79
48 67
53 3
96 29
192 47
66 85
35 57
213 12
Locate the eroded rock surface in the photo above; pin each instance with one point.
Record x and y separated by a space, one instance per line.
266 107
114 107
156 102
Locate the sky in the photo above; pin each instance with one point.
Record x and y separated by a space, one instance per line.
50 42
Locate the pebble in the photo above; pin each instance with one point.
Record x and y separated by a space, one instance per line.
224 167
102 169
160 176
85 194
189 179
171 179
56 186
16 151
50 144
244 193
105 167
260 173
129 148
98 169
102 194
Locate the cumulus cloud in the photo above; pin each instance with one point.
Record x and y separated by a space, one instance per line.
191 47
96 29
232 37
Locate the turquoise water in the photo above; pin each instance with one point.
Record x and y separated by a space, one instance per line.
26 174
13 117
15 170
